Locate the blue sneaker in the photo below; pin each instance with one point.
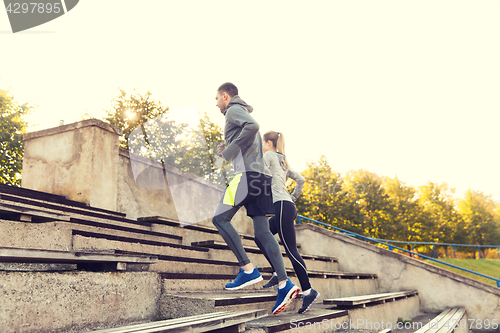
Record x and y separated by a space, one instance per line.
243 279
308 300
285 296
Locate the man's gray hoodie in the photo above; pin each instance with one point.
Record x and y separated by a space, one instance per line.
243 141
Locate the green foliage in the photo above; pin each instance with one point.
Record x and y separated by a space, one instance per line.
130 112
12 128
441 220
480 219
401 320
149 131
367 204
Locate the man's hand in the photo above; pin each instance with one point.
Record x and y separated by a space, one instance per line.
220 148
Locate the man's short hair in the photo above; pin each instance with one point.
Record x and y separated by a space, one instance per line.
229 88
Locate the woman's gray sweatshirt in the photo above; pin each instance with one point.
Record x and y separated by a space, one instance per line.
276 163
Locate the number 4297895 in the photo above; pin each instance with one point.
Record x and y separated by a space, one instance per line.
33 7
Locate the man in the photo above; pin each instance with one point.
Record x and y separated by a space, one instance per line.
250 187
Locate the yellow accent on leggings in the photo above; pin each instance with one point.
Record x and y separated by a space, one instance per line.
231 190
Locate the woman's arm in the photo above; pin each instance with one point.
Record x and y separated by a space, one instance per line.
299 179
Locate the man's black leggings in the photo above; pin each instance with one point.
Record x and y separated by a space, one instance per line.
282 223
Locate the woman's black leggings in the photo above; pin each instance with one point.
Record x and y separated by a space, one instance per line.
282 223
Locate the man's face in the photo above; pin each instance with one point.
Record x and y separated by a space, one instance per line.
221 101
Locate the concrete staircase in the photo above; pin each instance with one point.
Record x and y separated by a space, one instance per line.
183 276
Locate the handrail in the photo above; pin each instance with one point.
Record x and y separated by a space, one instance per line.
391 247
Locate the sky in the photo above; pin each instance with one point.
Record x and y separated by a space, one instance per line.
398 88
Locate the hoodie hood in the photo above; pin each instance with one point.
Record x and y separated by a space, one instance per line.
236 100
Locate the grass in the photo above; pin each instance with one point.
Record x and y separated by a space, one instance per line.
490 267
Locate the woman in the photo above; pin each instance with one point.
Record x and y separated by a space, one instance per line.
285 212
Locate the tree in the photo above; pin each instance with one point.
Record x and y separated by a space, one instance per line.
405 216
372 203
365 203
12 128
148 130
130 112
443 224
480 221
319 200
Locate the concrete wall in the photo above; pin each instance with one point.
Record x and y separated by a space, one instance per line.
437 288
153 189
79 161
40 302
82 162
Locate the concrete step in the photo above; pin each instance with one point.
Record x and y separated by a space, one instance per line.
59 235
378 312
219 249
327 283
128 235
259 260
211 322
366 300
113 221
450 320
181 304
63 209
323 318
17 255
316 319
28 214
90 241
54 199
335 283
192 233
197 231
327 288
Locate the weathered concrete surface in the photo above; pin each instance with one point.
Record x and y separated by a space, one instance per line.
291 321
382 316
437 288
48 236
182 304
83 243
139 198
79 161
33 267
148 188
74 301
82 161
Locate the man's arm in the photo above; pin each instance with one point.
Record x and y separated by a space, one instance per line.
240 117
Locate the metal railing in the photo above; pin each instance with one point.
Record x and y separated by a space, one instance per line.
392 247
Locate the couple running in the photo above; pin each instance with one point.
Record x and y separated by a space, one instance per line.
259 184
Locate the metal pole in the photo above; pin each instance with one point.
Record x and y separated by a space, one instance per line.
434 250
455 254
498 250
299 220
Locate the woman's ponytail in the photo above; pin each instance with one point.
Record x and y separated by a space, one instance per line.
278 141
